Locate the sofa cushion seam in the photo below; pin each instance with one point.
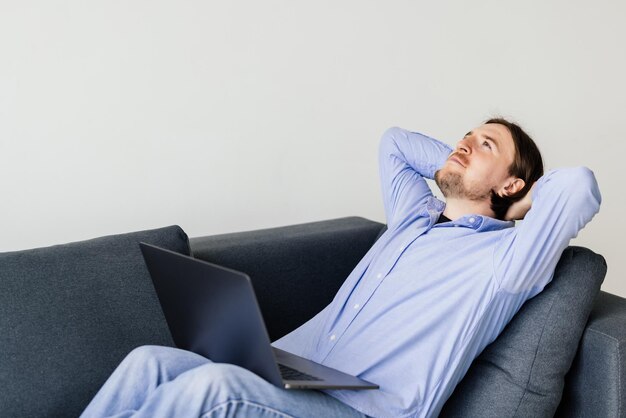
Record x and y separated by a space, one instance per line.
618 340
526 388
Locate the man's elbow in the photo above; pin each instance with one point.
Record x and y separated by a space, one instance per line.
390 134
388 145
586 187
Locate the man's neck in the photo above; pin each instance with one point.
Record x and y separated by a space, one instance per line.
456 208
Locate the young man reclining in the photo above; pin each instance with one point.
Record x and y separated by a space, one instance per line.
436 288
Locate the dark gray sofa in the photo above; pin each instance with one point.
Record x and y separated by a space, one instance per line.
53 360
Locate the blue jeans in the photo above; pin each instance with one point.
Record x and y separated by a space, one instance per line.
167 382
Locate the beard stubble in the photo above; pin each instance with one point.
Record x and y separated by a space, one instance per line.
452 186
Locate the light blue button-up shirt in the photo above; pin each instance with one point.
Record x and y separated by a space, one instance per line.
427 298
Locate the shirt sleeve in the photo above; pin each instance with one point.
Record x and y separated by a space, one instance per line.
563 202
405 159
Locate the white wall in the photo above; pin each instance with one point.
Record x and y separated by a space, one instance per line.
126 115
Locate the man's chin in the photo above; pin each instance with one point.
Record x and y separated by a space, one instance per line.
451 185
442 175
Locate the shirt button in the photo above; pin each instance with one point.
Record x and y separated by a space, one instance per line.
379 275
472 220
356 306
332 337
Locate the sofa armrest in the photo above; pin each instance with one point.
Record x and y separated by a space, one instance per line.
596 383
296 270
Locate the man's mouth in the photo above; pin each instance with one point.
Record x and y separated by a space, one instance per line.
456 160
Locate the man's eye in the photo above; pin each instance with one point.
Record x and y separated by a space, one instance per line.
487 143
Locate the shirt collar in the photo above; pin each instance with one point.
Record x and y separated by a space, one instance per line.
480 223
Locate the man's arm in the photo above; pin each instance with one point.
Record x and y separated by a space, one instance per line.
405 159
560 204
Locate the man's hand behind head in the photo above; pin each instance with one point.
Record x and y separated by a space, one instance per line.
519 209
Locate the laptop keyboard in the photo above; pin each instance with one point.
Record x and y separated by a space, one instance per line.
292 374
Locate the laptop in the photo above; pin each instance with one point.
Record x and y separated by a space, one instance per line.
212 311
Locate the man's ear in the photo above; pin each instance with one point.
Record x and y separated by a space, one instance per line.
511 187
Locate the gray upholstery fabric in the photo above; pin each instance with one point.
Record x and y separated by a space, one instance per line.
521 373
70 313
595 386
296 270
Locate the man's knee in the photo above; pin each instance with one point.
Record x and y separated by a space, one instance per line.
148 354
147 351
226 379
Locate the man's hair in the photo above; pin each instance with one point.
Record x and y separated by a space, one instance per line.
527 165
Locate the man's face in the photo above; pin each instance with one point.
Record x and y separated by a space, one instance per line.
479 164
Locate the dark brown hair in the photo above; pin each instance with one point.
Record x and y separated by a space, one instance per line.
527 165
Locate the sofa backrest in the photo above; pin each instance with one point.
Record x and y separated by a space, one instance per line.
522 373
295 270
70 313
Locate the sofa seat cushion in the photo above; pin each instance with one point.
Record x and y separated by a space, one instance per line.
70 313
521 374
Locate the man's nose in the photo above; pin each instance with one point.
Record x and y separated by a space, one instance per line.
463 147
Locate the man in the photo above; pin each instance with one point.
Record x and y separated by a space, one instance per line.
437 287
